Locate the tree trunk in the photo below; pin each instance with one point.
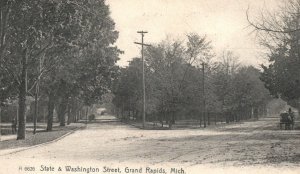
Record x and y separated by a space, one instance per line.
36 107
122 112
208 118
227 117
204 118
0 123
170 120
173 117
200 119
73 114
22 98
69 115
76 116
50 112
62 110
162 115
75 111
215 118
79 114
86 113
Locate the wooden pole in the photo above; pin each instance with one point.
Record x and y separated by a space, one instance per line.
203 94
143 79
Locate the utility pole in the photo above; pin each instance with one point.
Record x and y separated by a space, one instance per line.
143 80
203 94
227 83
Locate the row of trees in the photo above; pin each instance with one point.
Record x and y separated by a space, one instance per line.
228 86
177 86
57 50
279 33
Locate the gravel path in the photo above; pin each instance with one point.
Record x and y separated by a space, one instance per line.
254 145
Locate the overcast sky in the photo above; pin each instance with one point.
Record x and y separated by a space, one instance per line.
223 21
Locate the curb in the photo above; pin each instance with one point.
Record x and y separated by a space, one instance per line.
141 127
131 124
45 143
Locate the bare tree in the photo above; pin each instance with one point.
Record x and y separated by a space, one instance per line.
280 33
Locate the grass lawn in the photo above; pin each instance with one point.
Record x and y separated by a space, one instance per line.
40 137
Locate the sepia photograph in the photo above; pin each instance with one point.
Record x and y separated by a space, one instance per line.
149 86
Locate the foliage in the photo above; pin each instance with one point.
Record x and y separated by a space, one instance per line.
65 48
174 83
280 34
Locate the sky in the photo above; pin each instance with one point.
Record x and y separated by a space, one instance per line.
224 22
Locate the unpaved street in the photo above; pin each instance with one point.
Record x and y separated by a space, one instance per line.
259 143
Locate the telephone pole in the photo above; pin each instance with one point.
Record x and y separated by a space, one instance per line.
203 94
143 79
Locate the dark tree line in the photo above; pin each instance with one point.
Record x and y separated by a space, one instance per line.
174 84
57 50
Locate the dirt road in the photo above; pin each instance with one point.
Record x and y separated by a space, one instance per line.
249 144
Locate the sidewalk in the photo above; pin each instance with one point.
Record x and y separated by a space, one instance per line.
10 144
7 137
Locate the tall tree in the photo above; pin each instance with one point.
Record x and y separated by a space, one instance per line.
89 65
250 95
225 70
171 78
28 31
57 34
280 34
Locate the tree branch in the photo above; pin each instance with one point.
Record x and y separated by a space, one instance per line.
262 26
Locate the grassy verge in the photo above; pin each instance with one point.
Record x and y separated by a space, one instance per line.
40 137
